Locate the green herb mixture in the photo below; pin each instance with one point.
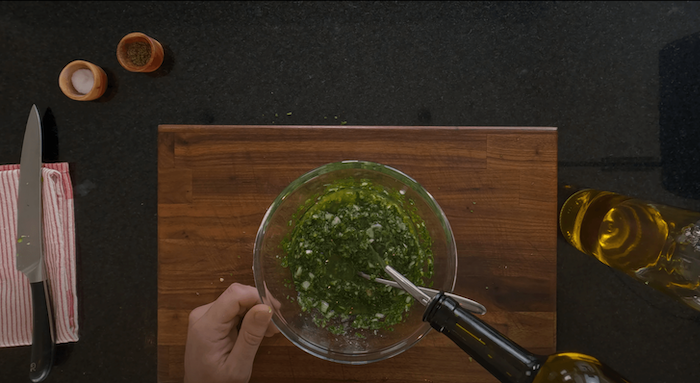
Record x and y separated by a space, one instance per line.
355 226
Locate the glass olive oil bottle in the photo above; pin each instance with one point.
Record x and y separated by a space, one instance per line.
655 244
505 359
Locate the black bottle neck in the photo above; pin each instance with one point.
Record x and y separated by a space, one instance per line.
502 357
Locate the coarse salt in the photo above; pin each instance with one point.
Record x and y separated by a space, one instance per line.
82 80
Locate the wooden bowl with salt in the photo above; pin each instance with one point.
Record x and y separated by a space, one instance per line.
82 81
137 52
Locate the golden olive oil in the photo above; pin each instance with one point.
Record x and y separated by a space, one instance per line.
656 244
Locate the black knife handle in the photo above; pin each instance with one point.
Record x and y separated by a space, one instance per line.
43 335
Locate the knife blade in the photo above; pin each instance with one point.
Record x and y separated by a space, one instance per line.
30 248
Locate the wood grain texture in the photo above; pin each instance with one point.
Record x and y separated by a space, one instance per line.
497 187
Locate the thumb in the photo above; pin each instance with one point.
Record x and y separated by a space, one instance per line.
250 336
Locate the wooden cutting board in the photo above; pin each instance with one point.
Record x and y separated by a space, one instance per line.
497 187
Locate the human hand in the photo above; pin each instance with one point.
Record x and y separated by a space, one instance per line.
216 350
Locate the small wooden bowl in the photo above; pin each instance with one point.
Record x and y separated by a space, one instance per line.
153 63
98 88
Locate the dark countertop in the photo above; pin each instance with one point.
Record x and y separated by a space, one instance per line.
619 80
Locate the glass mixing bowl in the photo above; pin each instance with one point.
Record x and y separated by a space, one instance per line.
272 279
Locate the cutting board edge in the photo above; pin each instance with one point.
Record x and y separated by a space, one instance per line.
174 128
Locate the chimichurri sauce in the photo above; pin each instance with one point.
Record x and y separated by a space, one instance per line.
356 226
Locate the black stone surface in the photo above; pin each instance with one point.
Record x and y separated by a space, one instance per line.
619 80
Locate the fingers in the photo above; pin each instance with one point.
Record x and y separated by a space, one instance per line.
197 313
254 328
275 303
271 328
236 291
222 313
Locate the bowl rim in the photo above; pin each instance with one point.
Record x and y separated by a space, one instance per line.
355 358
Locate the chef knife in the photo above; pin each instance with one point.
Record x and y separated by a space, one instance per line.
30 248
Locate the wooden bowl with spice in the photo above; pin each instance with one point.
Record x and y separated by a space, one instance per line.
138 52
82 81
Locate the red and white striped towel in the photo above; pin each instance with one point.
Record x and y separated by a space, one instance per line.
59 250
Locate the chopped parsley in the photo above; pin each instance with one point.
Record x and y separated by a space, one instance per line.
356 226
